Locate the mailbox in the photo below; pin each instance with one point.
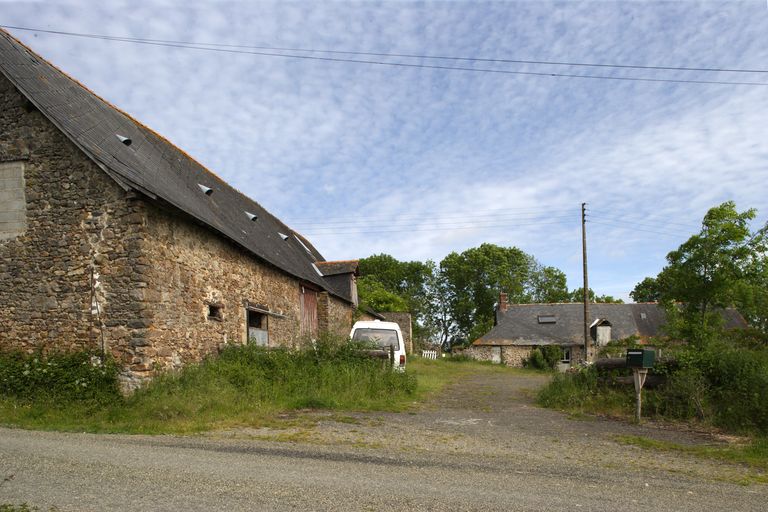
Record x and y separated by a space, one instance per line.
640 358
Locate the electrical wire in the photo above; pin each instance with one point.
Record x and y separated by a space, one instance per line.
632 217
424 220
421 230
398 55
544 210
384 63
663 233
633 223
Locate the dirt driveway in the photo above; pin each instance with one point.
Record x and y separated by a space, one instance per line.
482 445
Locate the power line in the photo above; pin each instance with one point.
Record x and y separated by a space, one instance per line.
544 210
398 55
636 216
422 221
664 233
422 230
190 46
634 223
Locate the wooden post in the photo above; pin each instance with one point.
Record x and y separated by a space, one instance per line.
587 345
639 375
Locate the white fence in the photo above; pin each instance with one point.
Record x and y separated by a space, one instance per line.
429 354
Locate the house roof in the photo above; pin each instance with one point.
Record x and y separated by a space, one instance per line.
531 324
153 166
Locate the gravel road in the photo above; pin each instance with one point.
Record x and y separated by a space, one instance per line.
483 446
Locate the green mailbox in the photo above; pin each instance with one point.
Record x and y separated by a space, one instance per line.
640 358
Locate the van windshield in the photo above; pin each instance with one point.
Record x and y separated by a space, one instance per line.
383 338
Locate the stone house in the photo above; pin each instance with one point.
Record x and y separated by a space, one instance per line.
112 238
520 328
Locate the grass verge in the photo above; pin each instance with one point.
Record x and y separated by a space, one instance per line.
753 455
243 387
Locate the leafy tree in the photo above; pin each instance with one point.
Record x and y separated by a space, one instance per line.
721 266
548 284
577 295
646 290
474 279
438 319
375 296
404 278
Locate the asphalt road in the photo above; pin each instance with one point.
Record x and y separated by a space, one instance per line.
483 447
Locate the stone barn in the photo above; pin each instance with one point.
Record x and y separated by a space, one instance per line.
113 239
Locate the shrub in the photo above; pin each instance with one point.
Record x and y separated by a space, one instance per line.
718 382
544 358
58 376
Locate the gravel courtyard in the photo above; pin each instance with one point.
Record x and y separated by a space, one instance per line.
482 445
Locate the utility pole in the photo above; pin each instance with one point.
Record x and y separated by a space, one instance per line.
587 341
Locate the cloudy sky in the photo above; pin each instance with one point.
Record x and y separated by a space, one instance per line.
418 162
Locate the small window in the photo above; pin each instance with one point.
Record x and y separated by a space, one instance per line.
258 333
547 319
13 209
643 316
215 312
566 355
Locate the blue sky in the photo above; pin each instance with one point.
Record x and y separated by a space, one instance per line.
417 162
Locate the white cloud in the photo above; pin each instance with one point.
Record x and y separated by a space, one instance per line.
324 140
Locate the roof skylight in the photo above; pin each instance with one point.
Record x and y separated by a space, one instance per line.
251 216
206 190
283 236
547 319
125 140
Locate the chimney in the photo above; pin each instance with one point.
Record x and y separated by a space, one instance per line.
502 302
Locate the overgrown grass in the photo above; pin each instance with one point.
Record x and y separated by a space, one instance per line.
243 386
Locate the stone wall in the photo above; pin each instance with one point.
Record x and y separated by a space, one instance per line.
95 264
404 321
515 356
512 355
65 278
334 315
479 353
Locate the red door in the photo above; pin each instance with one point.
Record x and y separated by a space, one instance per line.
308 312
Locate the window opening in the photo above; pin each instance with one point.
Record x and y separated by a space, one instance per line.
547 319
566 355
258 332
13 203
215 312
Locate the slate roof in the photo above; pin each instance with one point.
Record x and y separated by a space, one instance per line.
153 166
520 325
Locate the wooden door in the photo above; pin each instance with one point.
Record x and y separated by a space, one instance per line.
308 312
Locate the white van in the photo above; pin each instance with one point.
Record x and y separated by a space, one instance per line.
383 335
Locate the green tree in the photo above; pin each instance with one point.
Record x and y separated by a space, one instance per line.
577 295
438 319
721 266
548 285
375 296
475 277
406 279
646 290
